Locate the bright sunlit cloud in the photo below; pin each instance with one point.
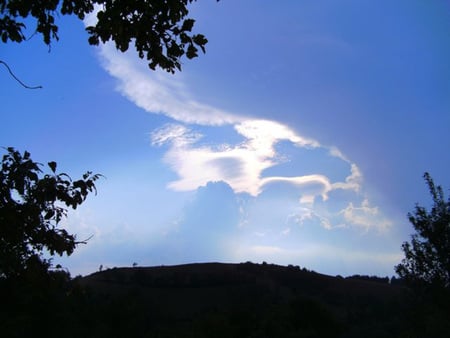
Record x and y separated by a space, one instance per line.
242 165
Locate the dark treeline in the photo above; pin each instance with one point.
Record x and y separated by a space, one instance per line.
376 279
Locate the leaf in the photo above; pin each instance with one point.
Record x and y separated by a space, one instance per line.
52 166
191 52
188 24
200 40
50 213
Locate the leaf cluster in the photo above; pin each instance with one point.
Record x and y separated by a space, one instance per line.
160 31
427 256
31 207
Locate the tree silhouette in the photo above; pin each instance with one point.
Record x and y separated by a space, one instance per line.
427 256
31 208
160 31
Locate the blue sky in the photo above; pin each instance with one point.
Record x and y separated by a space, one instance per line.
300 137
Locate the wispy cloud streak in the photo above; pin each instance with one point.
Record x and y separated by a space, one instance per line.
159 92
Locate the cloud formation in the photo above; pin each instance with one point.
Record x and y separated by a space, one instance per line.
247 165
242 165
158 92
358 215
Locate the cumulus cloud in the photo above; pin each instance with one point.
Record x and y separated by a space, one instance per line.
206 235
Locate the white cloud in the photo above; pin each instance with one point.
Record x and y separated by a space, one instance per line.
352 182
159 92
308 214
364 216
263 134
300 216
320 180
269 226
163 93
176 133
243 166
337 153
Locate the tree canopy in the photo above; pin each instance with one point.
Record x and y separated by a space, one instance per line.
427 256
31 208
160 30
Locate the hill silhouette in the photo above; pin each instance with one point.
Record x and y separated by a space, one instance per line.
216 300
244 300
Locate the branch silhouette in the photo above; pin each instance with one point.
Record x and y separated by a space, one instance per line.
85 240
17 79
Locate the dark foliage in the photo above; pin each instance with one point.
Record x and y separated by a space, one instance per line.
427 256
426 267
31 206
159 30
376 279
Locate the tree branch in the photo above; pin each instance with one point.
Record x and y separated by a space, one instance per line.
17 79
84 241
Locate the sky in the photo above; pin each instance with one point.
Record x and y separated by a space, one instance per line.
300 137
